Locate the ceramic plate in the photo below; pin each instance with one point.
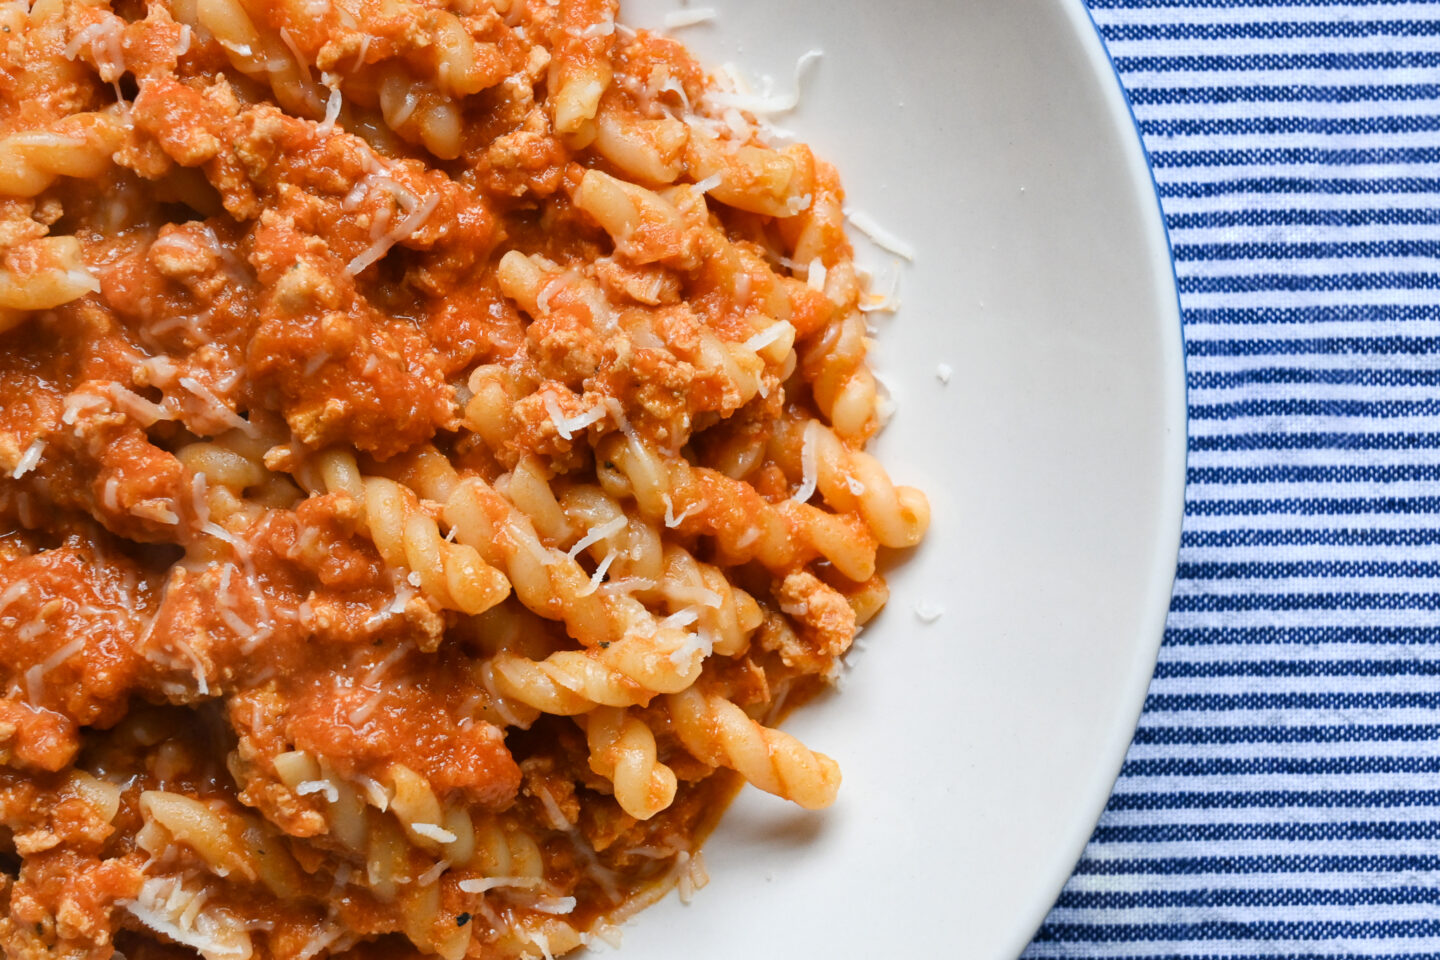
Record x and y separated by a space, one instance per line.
979 749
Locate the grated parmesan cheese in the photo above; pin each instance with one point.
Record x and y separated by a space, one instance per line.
929 612
568 427
12 593
558 906
78 403
414 219
431 831
701 642
289 42
168 906
882 237
767 336
28 459
681 618
598 577
375 792
766 104
333 103
307 787
809 467
217 408
35 676
675 19
815 276
671 519
595 534
433 874
486 884
710 182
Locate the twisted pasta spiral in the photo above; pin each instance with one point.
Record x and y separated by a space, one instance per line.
721 733
453 575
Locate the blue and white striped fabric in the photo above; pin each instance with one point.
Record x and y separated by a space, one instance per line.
1282 795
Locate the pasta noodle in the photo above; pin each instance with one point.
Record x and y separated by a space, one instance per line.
432 458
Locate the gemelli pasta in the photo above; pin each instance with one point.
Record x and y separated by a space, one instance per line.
432 456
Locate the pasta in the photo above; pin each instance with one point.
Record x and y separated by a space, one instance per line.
432 458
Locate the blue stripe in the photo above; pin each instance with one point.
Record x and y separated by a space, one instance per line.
1316 441
1319 314
1250 636
1346 473
1304 601
1194 253
1343 186
1341 733
1377 409
1285 93
1224 930
1218 63
1298 799
1281 766
1176 159
1307 568
1208 4
1252 346
1236 31
1215 702
1313 505
1159 128
1244 897
1364 376
1254 283
1173 670
1211 219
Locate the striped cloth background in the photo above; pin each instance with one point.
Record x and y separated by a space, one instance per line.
1282 794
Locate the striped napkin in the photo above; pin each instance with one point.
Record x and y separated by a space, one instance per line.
1282 794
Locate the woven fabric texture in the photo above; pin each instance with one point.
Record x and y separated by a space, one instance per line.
1281 797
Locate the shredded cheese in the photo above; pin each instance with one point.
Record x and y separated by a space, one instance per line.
430 876
701 642
170 907
35 676
431 831
333 103
595 534
598 576
307 787
766 104
929 612
486 884
568 427
710 182
675 19
28 459
217 409
402 231
558 906
882 237
815 276
767 336
809 466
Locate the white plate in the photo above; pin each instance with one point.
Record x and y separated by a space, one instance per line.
978 751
